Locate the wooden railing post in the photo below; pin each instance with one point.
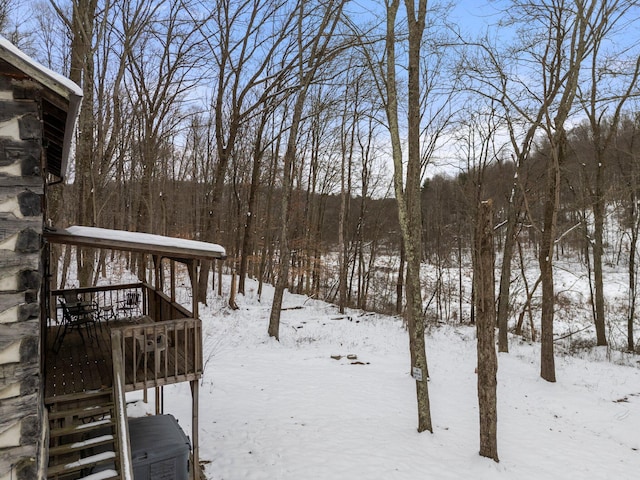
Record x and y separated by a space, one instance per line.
120 407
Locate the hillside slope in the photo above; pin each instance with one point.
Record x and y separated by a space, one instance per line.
289 410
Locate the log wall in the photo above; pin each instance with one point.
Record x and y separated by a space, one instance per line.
21 220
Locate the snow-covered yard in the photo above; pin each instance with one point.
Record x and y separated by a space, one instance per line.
288 410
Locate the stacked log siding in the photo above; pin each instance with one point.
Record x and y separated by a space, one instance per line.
21 220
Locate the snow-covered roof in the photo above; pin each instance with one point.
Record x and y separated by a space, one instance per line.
58 85
56 82
170 247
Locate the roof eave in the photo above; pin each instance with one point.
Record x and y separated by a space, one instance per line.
72 115
58 84
62 236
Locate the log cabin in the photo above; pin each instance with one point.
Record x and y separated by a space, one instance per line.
69 356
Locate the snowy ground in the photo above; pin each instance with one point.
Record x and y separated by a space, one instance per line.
288 410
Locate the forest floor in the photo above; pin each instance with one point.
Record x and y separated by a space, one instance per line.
334 399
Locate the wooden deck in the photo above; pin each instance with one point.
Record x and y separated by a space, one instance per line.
80 365
84 363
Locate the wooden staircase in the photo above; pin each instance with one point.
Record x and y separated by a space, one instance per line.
83 443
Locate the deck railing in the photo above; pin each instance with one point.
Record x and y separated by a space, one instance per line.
160 342
111 301
161 353
160 307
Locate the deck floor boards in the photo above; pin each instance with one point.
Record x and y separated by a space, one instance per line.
84 364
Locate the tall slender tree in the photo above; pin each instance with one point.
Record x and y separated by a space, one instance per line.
314 51
244 40
483 274
82 30
536 80
570 26
611 82
407 185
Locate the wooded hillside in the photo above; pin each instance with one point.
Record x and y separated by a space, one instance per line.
240 122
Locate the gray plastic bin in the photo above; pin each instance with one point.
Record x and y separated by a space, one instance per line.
159 448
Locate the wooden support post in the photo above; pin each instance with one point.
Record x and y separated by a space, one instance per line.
159 287
193 276
172 266
195 391
157 269
159 276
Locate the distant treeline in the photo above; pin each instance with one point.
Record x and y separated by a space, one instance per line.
180 208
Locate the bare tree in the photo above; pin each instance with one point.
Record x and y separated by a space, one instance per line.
162 69
550 52
573 27
5 10
315 49
121 29
260 146
490 76
479 148
627 150
368 222
611 83
483 273
407 186
82 31
347 144
245 40
11 21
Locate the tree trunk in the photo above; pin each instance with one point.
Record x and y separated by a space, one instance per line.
408 198
635 223
267 245
232 291
285 249
545 260
203 281
483 273
342 244
505 272
400 282
598 232
318 48
247 238
83 24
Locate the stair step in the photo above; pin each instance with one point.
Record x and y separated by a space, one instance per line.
75 459
82 463
82 412
81 428
72 397
78 446
104 475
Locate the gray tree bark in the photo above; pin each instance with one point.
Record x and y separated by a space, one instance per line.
598 100
407 189
483 273
318 53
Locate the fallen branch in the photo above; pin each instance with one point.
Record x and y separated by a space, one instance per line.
571 333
